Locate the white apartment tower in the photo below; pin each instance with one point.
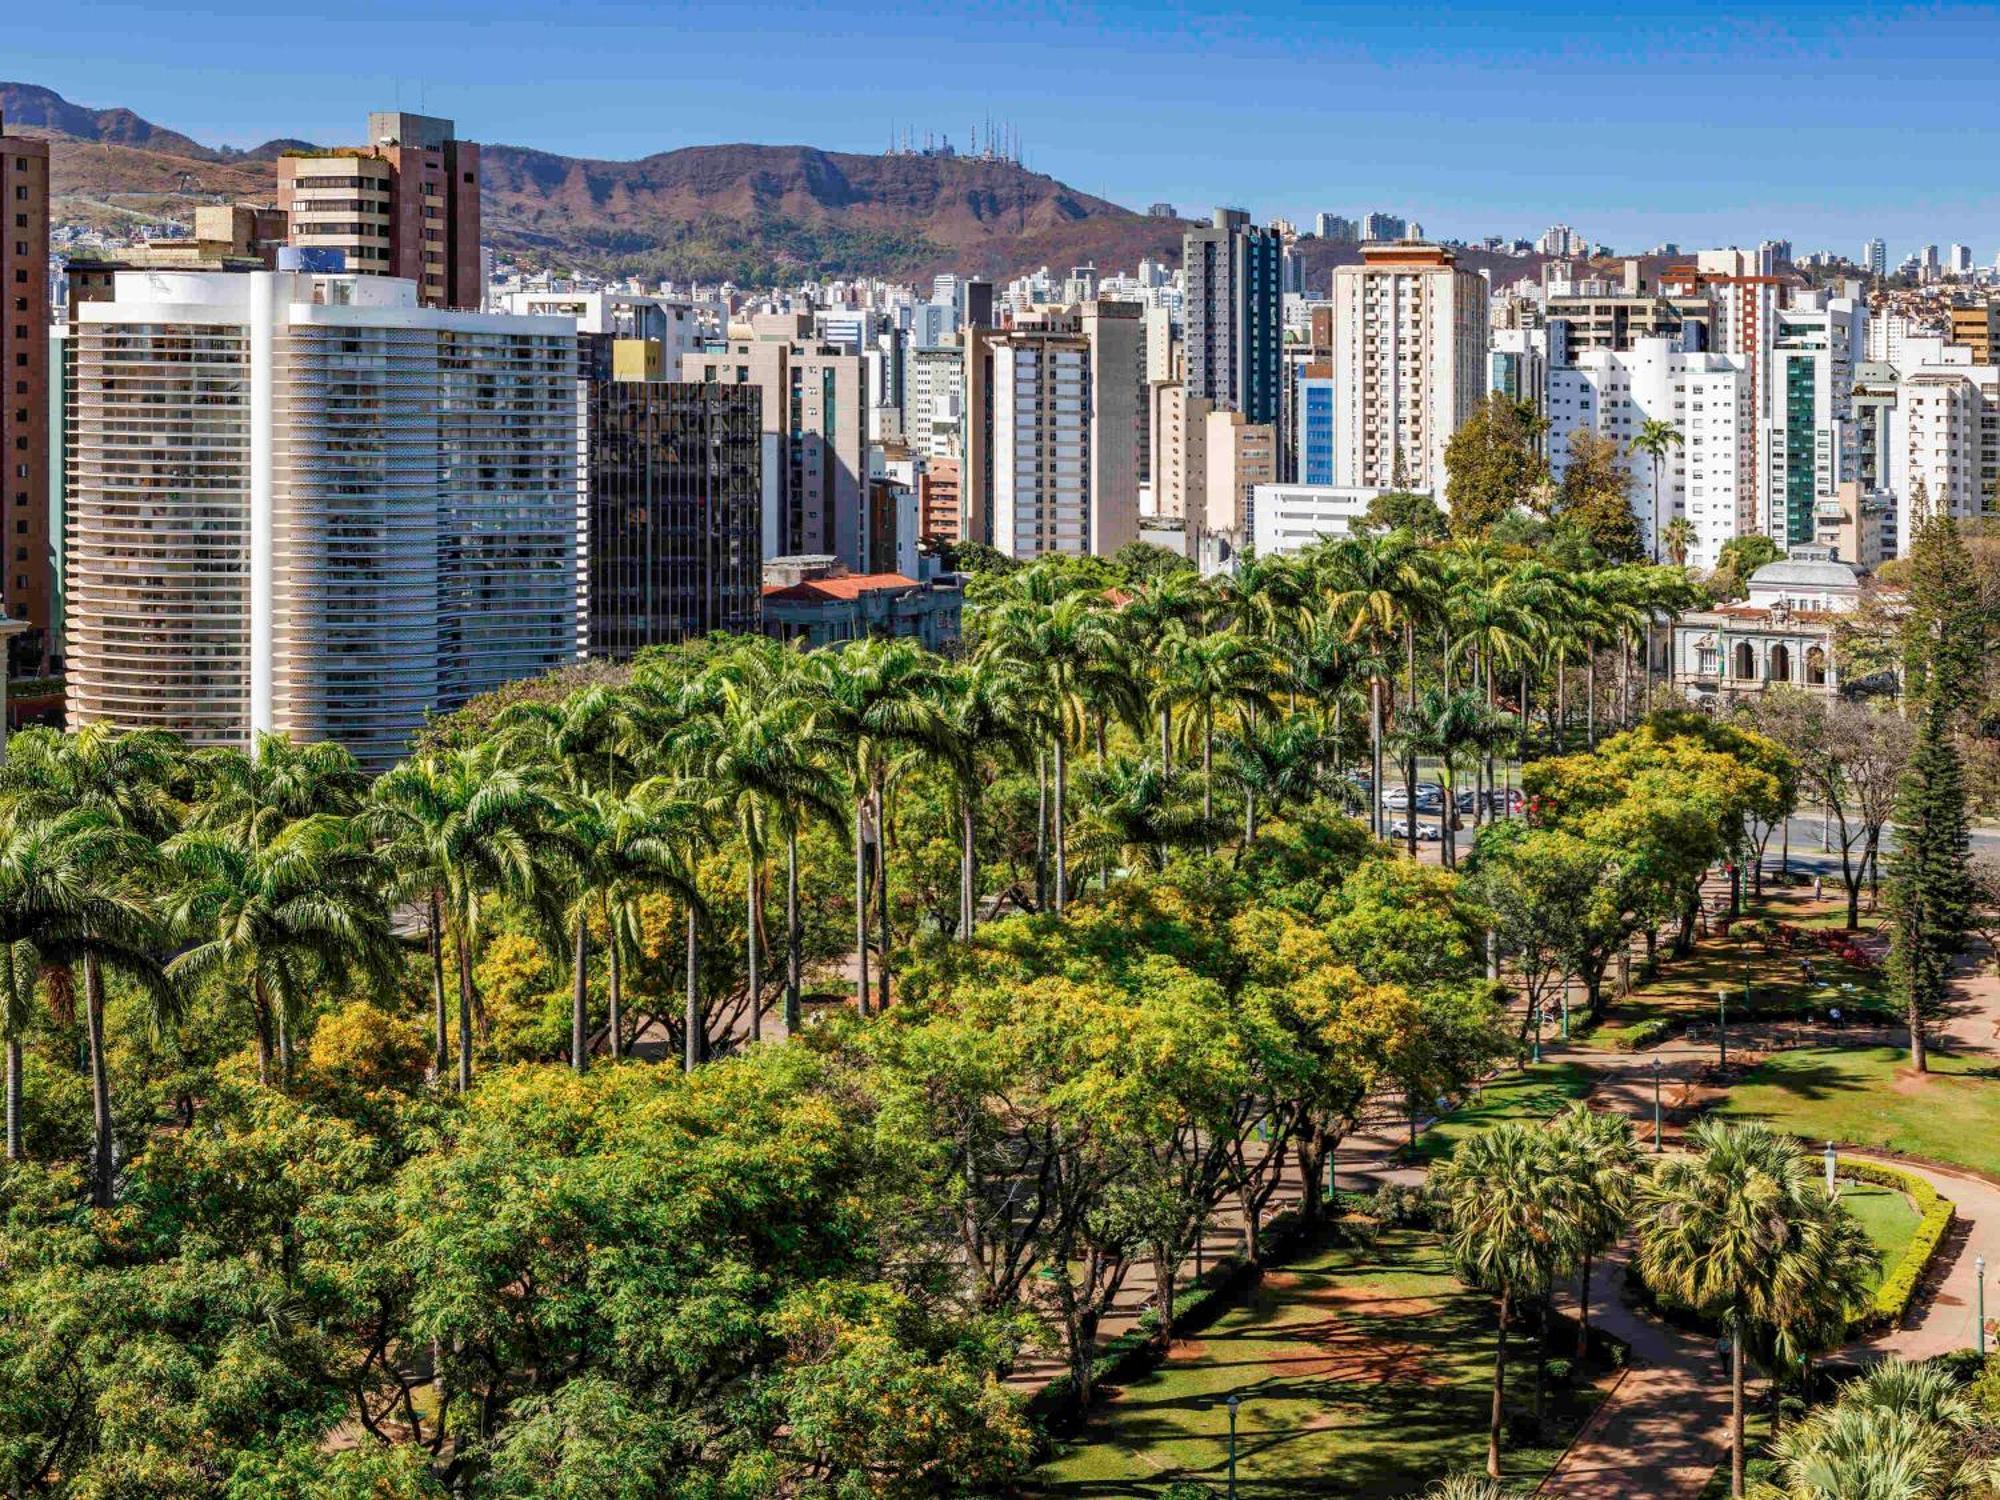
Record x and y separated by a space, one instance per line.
305 504
1409 356
1806 448
1041 441
1707 398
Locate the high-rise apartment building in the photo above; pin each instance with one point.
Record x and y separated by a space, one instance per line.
1121 421
1233 314
1706 398
307 504
406 204
1875 258
1805 446
1334 227
1381 226
27 588
1314 424
1241 454
1978 328
1180 453
939 517
815 435
1944 433
1042 483
675 499
936 422
1409 363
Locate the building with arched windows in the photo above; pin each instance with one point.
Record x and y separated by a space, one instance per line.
1782 636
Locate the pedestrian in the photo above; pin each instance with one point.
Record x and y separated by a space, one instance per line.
1817 879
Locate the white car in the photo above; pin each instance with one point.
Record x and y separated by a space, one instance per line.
1427 833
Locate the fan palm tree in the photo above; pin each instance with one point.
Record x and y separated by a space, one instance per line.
128 779
1679 537
268 921
1725 1230
1898 1432
1510 1232
1597 1167
875 698
65 897
456 829
1656 439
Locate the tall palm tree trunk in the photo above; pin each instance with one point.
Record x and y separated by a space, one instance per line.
1736 1407
615 1018
968 866
754 920
861 901
1061 831
13 1097
1375 755
1590 700
794 948
882 898
1166 739
1208 775
440 1027
579 996
1499 1393
1041 832
102 1164
464 1008
691 1028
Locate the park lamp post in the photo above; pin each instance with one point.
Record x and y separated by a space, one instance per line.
1979 1280
1831 1162
1232 1403
1722 1025
1536 1008
1656 1106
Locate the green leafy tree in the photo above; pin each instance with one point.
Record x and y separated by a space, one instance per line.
1596 496
1493 463
1407 510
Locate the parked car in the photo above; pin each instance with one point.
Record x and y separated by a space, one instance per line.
1396 799
1427 833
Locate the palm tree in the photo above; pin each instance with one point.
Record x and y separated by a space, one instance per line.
272 921
1074 648
1509 1232
1907 1431
1655 439
65 897
1444 726
757 758
1207 673
875 698
457 829
1679 538
253 796
1139 813
1283 764
990 710
1597 1166
1365 582
127 779
1726 1230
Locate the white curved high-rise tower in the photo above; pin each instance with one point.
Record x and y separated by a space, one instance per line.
304 503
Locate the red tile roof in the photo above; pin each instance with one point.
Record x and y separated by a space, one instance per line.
853 586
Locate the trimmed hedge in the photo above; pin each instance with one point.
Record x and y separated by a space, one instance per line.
1899 1281
1648 1034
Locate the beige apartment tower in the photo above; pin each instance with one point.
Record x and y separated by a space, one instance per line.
406 204
1409 358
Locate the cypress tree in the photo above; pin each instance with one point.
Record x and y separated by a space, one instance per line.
1930 881
1944 634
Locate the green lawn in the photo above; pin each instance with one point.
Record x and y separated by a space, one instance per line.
1868 1097
1534 1093
1888 1216
1684 990
1362 1372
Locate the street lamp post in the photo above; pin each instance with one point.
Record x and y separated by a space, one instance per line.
1830 1165
1656 1106
1979 1271
1233 1403
1565 1003
1537 1009
1722 1025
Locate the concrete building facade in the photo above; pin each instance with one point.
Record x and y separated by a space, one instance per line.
1121 421
405 205
1042 461
306 504
1409 363
27 587
1233 314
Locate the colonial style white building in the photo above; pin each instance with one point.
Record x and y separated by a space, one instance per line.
1781 636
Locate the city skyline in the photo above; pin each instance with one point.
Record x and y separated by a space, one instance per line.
1682 128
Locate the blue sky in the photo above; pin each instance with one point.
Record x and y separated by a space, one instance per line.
1824 123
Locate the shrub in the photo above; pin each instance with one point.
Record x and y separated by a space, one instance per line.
1899 1281
1647 1034
1397 1207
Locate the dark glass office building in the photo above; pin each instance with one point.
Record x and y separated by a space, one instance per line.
675 501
